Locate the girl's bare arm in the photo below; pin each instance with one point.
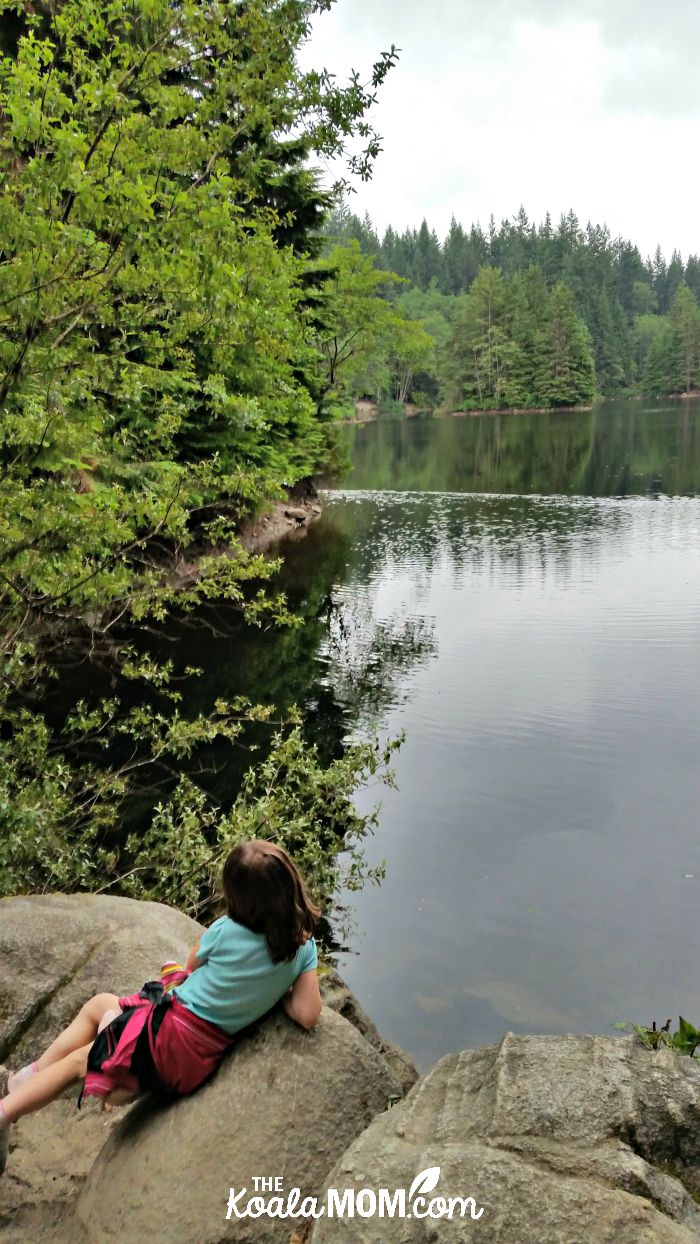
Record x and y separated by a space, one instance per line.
192 961
303 1003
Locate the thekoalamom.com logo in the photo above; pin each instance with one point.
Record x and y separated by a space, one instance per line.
348 1203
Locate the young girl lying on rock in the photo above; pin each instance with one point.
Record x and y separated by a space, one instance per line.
170 1041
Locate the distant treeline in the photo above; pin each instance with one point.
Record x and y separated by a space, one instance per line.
527 314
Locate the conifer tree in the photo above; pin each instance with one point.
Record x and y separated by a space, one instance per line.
658 277
480 347
674 277
427 260
685 318
566 367
454 279
692 275
645 331
522 328
662 372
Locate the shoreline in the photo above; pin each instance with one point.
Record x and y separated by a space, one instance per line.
369 412
289 519
283 520
511 410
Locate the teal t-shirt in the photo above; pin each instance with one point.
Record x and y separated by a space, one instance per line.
237 981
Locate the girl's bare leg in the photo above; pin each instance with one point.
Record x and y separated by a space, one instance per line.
47 1084
82 1031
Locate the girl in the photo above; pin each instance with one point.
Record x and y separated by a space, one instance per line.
260 952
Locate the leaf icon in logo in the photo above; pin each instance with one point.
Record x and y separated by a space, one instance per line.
425 1181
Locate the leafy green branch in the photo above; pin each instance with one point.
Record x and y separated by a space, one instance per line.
684 1041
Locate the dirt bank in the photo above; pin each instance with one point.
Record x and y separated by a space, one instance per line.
286 519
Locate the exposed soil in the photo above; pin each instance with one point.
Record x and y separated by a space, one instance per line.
287 519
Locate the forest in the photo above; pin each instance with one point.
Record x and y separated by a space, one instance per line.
525 315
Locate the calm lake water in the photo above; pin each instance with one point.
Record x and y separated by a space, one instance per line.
521 595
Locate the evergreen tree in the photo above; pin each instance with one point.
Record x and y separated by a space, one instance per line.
645 332
427 259
566 373
453 276
642 300
628 277
658 277
405 250
685 318
662 372
387 257
609 337
692 275
524 304
674 277
673 356
491 241
479 353
544 249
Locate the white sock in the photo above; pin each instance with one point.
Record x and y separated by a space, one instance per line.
19 1077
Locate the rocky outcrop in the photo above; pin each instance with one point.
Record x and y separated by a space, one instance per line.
58 950
284 1104
559 1140
55 952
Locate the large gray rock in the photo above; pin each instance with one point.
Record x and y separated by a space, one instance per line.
560 1140
57 950
284 1103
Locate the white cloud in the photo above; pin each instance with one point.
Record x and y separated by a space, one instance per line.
594 107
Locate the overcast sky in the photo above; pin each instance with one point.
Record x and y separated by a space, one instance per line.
590 104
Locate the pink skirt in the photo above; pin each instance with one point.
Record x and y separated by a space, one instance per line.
155 1045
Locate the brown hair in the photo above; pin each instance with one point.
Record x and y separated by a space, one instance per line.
265 892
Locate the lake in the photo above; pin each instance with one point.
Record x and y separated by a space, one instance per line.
520 594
